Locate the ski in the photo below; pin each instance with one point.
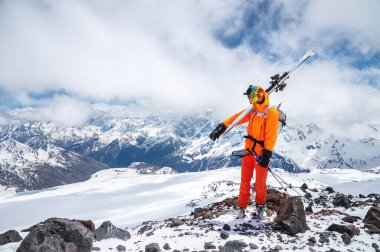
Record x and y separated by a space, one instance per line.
277 84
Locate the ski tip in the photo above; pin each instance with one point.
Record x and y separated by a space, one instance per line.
310 52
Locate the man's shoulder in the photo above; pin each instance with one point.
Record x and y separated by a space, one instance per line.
272 111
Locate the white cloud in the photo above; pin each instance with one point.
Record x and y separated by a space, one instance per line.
165 55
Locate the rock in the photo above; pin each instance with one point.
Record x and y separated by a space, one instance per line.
253 246
350 219
278 247
275 199
308 195
375 246
346 238
167 246
372 219
224 235
235 246
107 230
341 229
291 216
309 209
56 234
304 187
226 227
209 245
312 239
329 189
144 229
361 196
354 230
176 222
202 213
341 200
9 237
121 248
95 249
152 247
324 237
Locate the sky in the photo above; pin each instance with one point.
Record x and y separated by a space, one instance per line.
58 58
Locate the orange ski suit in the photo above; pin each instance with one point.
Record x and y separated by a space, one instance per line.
261 129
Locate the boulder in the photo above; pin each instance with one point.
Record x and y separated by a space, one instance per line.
351 230
107 230
329 189
341 200
9 237
291 216
275 199
372 219
60 235
235 246
152 247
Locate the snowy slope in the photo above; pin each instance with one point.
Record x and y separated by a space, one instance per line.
128 199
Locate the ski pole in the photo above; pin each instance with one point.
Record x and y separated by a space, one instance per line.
278 178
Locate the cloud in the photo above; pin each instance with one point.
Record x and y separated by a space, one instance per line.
189 55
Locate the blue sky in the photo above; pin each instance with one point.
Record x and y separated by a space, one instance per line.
188 56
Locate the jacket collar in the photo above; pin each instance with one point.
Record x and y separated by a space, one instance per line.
264 105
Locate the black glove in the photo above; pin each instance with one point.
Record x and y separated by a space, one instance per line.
264 160
218 131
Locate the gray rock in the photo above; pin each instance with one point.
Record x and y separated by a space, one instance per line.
278 247
9 237
253 246
209 245
152 247
59 235
304 187
324 237
312 239
375 246
144 229
95 249
329 189
224 235
346 238
291 216
167 246
234 246
107 230
340 229
121 248
341 200
226 227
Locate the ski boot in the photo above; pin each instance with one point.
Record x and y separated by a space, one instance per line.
261 211
239 212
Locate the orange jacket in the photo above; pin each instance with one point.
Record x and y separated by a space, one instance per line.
258 127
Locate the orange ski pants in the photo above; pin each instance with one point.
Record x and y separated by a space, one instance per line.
248 165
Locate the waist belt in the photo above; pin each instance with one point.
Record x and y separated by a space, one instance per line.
255 141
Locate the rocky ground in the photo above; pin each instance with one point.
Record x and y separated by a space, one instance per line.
320 220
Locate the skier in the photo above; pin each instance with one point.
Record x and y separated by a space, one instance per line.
259 144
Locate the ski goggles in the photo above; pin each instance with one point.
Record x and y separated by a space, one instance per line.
255 94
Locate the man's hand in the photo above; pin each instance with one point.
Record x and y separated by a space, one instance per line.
219 130
264 160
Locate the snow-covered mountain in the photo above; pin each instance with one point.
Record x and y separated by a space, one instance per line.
25 168
180 142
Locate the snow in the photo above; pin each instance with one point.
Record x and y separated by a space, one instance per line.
128 199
